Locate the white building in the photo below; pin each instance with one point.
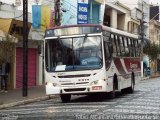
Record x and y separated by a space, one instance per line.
139 8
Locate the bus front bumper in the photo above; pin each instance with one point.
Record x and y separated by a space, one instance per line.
50 89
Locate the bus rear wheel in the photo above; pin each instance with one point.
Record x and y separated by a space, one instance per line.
65 98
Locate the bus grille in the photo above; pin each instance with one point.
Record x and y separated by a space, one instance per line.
73 76
80 83
74 89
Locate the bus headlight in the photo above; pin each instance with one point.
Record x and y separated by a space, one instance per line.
97 82
52 84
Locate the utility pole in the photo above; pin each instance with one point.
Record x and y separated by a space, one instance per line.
142 39
57 13
25 48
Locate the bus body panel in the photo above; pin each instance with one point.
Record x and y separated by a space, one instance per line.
72 85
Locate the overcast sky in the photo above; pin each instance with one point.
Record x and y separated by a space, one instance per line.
13 1
33 1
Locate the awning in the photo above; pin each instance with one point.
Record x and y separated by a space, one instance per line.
100 1
4 36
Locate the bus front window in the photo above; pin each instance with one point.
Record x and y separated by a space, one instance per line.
68 54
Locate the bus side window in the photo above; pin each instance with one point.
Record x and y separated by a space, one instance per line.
130 47
114 46
107 54
126 47
122 46
133 48
139 46
117 45
137 49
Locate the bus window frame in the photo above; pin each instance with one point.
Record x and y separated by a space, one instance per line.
114 47
123 46
107 43
116 43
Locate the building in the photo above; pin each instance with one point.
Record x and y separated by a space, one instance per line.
118 16
72 13
11 22
154 28
154 13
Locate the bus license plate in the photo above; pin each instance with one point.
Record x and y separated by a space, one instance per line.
96 87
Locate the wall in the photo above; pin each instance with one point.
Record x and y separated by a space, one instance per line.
155 31
121 22
6 24
118 14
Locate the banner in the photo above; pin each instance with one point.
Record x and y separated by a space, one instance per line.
82 12
36 16
46 17
42 17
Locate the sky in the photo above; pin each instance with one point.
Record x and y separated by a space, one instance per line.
33 2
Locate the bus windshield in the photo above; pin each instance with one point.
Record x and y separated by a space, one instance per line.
70 54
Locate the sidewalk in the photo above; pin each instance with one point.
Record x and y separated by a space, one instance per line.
153 75
14 97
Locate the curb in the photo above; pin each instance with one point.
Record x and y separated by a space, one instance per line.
22 102
155 76
145 78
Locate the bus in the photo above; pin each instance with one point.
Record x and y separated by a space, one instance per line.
89 59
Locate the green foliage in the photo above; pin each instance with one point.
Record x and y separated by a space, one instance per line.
7 47
152 50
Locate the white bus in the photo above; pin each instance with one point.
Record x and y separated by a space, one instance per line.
84 59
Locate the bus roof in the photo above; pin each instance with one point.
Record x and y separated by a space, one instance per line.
119 32
102 27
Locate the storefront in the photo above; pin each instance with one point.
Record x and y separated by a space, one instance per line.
32 58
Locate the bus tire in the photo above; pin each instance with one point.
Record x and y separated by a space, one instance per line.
131 88
65 98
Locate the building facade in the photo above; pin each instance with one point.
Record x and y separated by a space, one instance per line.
78 11
11 22
118 16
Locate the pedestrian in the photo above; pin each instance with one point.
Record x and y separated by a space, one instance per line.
4 76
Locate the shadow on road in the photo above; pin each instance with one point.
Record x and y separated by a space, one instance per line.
98 97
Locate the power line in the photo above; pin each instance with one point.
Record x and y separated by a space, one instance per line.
70 4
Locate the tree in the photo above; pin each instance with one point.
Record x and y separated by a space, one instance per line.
152 50
7 46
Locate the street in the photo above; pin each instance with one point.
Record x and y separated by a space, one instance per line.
143 104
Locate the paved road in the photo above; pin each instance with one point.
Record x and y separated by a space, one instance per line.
143 104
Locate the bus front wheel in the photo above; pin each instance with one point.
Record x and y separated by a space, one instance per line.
65 98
